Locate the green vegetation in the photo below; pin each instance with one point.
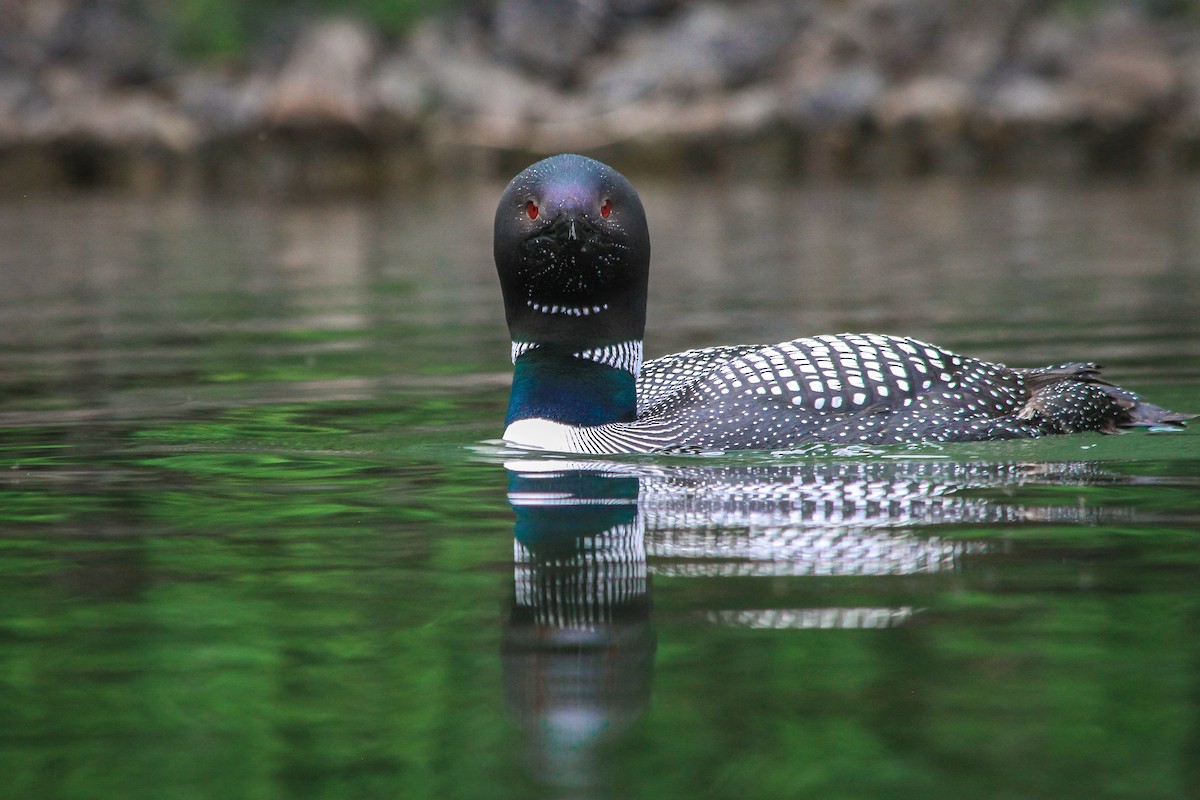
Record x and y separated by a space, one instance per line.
204 28
1168 9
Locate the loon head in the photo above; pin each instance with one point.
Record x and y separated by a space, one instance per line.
573 253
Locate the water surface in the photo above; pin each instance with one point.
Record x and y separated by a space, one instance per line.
255 542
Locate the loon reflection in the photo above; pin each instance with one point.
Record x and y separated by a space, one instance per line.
589 535
579 649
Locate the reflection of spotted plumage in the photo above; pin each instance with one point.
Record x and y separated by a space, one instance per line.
573 253
589 533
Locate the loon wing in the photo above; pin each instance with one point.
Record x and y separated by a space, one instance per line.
838 388
831 374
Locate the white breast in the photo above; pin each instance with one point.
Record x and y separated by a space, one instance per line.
543 434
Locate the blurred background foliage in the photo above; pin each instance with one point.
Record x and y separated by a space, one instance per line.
230 28
222 28
318 96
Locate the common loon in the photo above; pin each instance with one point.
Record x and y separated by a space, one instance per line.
572 249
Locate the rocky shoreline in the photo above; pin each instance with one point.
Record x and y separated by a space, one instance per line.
92 97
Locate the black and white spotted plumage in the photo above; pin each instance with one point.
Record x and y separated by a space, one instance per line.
847 388
860 388
856 388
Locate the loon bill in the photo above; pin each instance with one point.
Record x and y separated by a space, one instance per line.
573 253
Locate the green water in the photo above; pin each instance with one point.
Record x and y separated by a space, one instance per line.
255 542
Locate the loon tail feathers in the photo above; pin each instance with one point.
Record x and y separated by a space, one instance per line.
1070 398
1148 415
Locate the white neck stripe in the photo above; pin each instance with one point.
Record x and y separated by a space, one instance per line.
623 355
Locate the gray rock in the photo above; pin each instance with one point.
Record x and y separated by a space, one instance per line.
846 96
467 85
643 9
551 39
937 100
224 106
77 109
114 40
400 89
460 76
1122 83
867 85
322 82
827 81
1189 92
899 36
1027 99
16 90
709 47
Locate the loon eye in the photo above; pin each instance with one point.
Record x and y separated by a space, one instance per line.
531 208
606 208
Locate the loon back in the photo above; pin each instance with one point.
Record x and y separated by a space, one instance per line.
572 250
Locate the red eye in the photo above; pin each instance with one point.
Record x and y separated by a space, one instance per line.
531 208
606 208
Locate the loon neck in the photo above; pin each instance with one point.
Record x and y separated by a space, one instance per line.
588 387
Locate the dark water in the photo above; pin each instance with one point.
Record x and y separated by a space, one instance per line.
255 545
